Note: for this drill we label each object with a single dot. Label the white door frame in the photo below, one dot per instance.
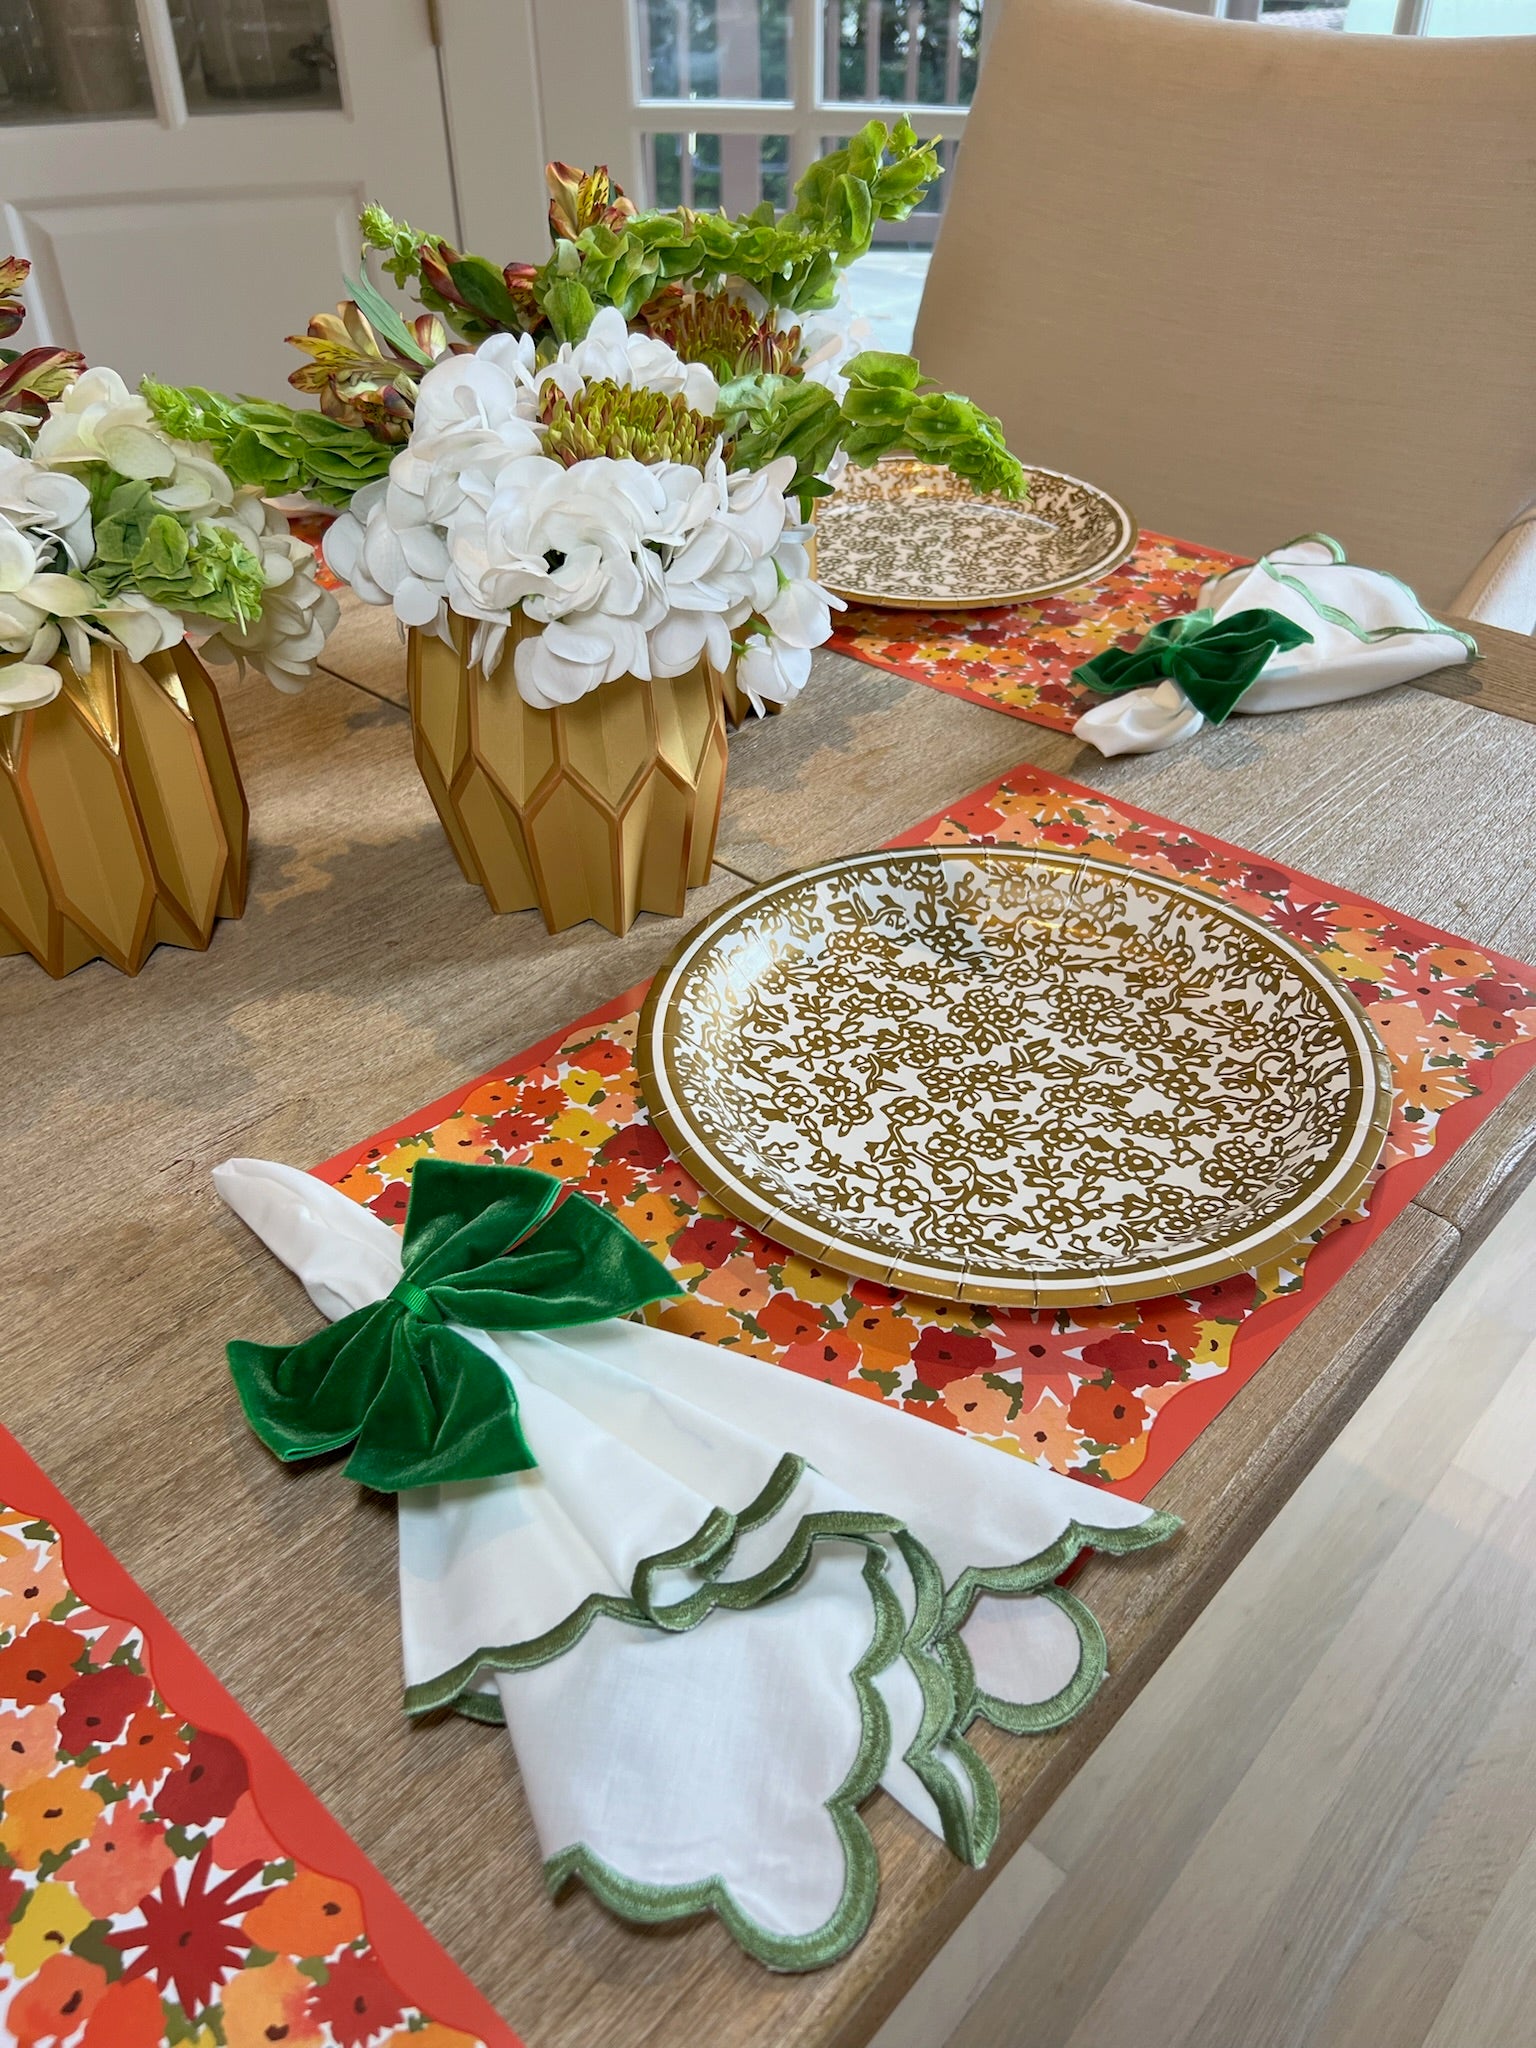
(77, 197)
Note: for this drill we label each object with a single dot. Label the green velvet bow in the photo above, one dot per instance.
(485, 1246)
(1212, 660)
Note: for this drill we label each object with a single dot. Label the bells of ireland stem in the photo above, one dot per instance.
(618, 269)
(567, 304)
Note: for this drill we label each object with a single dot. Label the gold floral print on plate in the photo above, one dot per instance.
(1013, 1076)
(906, 533)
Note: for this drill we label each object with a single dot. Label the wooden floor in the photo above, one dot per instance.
(1316, 1827)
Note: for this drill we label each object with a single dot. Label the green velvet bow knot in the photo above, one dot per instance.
(1212, 660)
(486, 1247)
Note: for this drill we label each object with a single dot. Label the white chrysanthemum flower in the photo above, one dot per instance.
(630, 568)
(609, 350)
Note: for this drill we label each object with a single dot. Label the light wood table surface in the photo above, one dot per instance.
(368, 978)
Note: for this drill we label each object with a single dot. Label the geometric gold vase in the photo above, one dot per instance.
(123, 821)
(598, 809)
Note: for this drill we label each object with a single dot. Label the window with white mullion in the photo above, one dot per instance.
(733, 99)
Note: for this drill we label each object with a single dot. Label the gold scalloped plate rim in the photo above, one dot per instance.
(1101, 566)
(1372, 1084)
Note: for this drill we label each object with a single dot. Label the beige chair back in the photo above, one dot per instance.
(1254, 281)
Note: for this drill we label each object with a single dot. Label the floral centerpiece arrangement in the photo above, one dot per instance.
(117, 540)
(592, 471)
(114, 532)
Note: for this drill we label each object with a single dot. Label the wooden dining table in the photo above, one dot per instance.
(367, 978)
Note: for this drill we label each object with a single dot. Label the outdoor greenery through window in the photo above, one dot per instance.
(924, 54)
(707, 170)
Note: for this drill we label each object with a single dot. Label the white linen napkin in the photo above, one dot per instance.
(727, 1602)
(1368, 632)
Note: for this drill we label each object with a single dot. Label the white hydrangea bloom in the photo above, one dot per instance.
(100, 420)
(48, 544)
(298, 613)
(35, 597)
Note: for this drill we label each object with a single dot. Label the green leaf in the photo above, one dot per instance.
(569, 307)
(272, 447)
(164, 548)
(484, 290)
(184, 1844)
(876, 366)
(385, 320)
(92, 1945)
(871, 404)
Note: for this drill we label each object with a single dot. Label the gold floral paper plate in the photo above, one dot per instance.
(1010, 1075)
(908, 535)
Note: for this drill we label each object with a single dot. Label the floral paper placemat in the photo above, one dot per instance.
(166, 1880)
(1112, 1395)
(1020, 658)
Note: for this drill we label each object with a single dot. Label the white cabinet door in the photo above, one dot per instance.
(185, 175)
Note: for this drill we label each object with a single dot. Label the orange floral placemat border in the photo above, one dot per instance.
(1020, 658)
(166, 1879)
(1111, 1395)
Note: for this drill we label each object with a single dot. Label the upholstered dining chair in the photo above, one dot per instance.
(1258, 283)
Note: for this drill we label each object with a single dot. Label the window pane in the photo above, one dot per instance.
(72, 60)
(255, 53)
(1481, 18)
(706, 171)
(1304, 13)
(714, 49)
(911, 52)
(921, 225)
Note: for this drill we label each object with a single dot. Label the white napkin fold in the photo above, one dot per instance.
(1368, 632)
(727, 1602)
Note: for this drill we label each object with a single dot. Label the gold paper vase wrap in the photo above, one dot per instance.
(602, 808)
(123, 822)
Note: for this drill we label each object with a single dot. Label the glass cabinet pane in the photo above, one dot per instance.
(255, 53)
(714, 49)
(914, 52)
(72, 60)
